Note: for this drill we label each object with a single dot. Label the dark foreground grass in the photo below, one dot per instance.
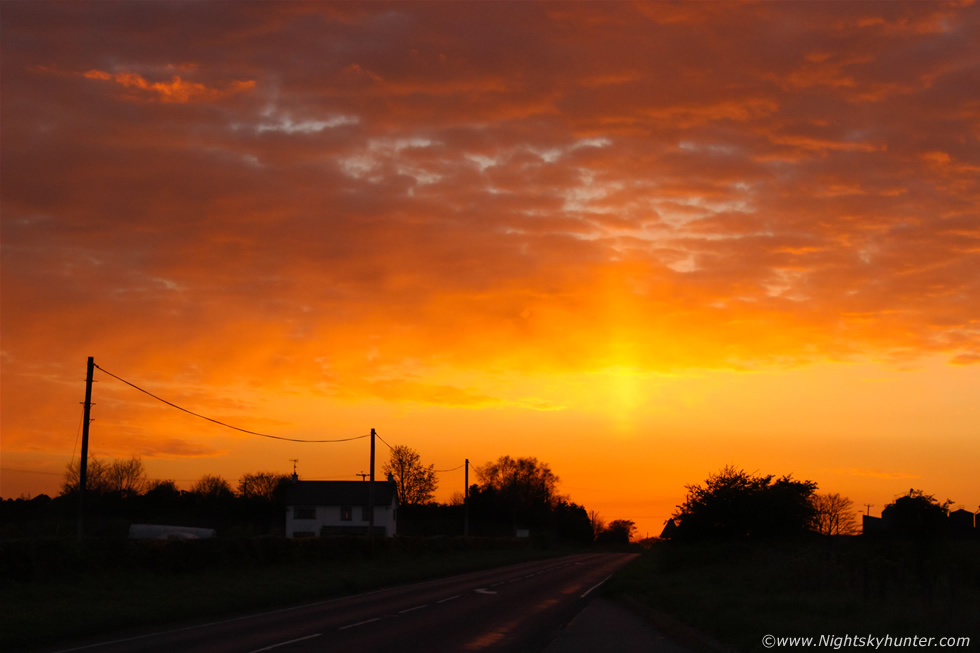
(736, 593)
(94, 602)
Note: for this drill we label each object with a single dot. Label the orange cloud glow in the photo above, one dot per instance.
(638, 241)
(177, 90)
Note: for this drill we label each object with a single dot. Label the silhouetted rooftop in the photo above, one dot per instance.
(339, 493)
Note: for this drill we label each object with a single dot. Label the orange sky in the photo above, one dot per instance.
(637, 241)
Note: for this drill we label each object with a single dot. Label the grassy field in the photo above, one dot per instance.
(737, 593)
(105, 596)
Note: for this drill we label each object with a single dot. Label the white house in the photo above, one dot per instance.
(340, 508)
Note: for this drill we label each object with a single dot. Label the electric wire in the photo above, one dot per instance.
(435, 470)
(78, 434)
(449, 470)
(190, 412)
(383, 440)
(30, 471)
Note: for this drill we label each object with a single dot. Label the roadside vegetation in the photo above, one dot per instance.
(737, 592)
(511, 495)
(750, 556)
(51, 590)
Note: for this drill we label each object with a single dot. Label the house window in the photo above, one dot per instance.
(346, 513)
(365, 513)
(304, 512)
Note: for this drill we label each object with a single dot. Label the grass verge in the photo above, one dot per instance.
(106, 599)
(736, 593)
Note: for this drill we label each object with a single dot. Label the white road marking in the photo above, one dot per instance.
(255, 615)
(359, 623)
(595, 586)
(418, 607)
(451, 598)
(292, 641)
(220, 622)
(484, 591)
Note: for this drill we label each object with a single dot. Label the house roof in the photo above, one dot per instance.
(340, 493)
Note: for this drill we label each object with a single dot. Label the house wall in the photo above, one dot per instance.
(384, 516)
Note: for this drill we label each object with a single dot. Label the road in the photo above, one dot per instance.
(516, 608)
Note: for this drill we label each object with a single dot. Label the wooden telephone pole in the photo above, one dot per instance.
(83, 463)
(371, 491)
(466, 500)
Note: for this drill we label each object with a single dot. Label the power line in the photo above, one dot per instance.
(78, 433)
(190, 412)
(449, 470)
(30, 471)
(435, 470)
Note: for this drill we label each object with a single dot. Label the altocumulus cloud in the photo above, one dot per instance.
(558, 187)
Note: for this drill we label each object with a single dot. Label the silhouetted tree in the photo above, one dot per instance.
(164, 487)
(416, 482)
(126, 477)
(515, 493)
(524, 479)
(917, 515)
(162, 502)
(598, 524)
(162, 494)
(834, 515)
(212, 487)
(95, 482)
(262, 485)
(734, 504)
(619, 531)
(571, 522)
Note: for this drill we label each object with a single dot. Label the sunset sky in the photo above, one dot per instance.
(638, 241)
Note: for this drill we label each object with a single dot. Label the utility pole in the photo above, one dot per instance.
(466, 500)
(362, 475)
(371, 491)
(869, 505)
(83, 463)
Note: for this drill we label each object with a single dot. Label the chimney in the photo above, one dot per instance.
(391, 478)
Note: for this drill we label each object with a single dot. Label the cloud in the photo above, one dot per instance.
(287, 125)
(400, 390)
(174, 448)
(874, 473)
(970, 358)
(175, 91)
(537, 189)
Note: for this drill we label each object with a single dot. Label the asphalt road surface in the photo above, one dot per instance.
(519, 608)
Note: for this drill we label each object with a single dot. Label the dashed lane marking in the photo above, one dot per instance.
(359, 623)
(292, 641)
